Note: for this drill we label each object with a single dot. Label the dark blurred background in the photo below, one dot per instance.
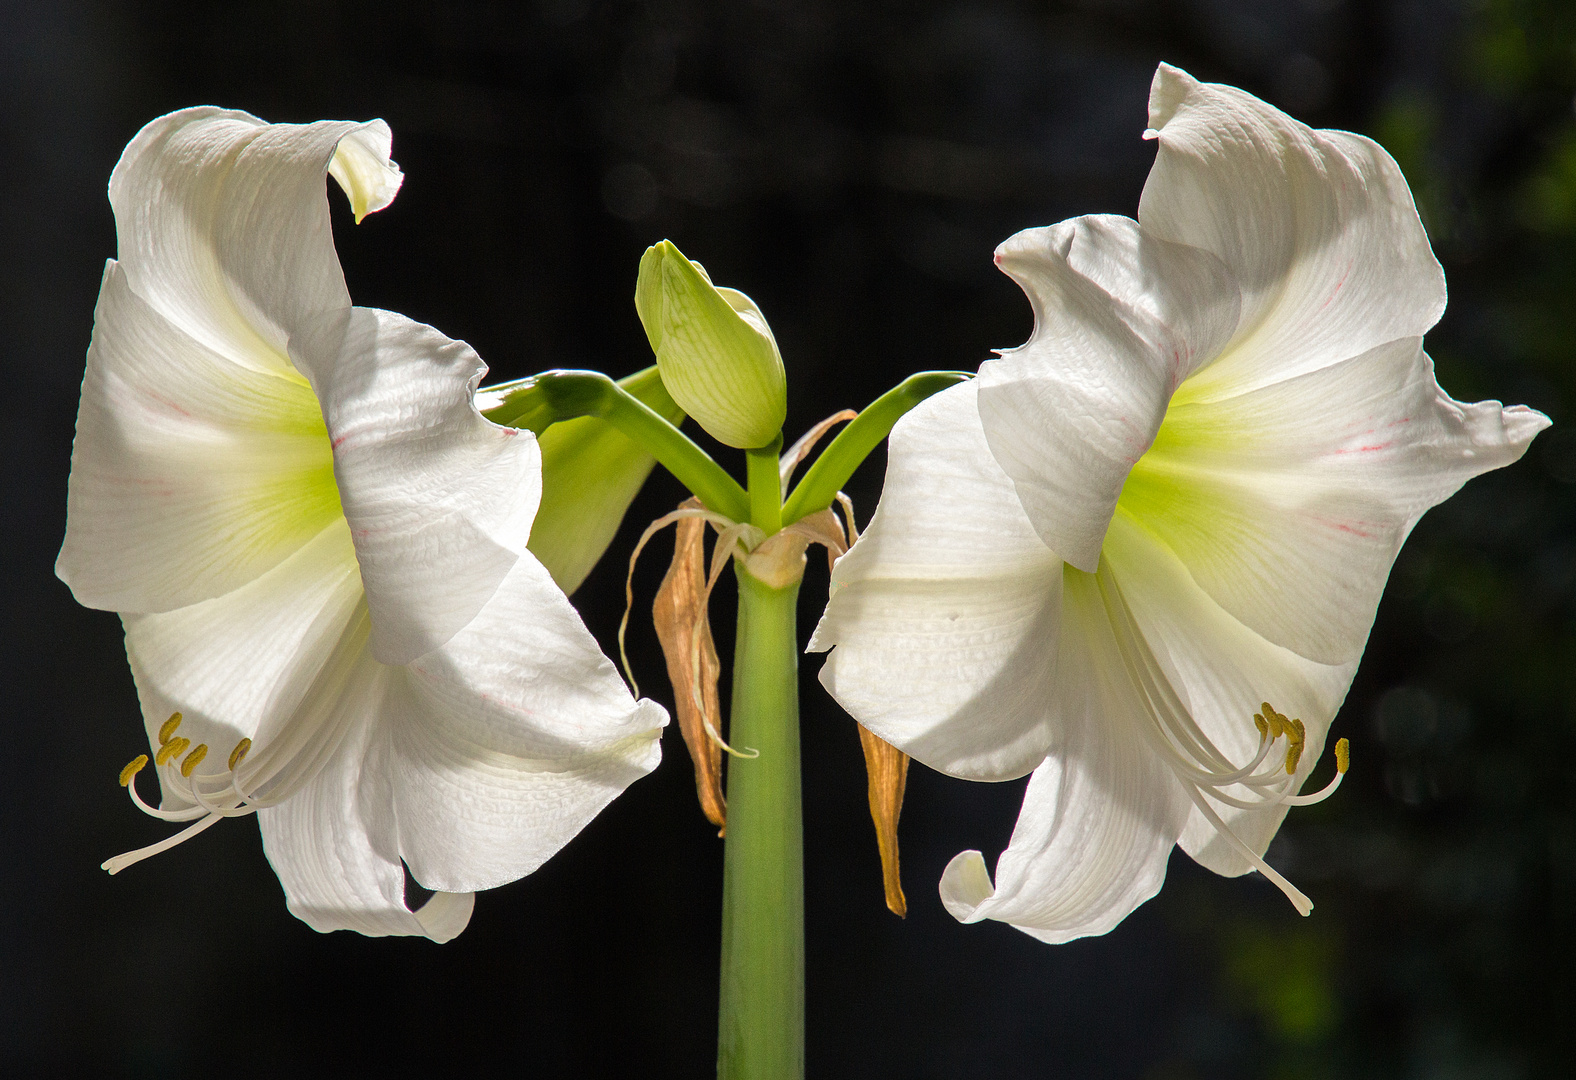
(851, 166)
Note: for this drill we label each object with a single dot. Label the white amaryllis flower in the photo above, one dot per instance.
(1181, 498)
(317, 546)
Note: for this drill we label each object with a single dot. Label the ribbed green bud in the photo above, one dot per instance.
(717, 355)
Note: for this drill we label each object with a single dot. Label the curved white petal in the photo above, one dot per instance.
(505, 743)
(944, 614)
(439, 500)
(1120, 319)
(1100, 816)
(1317, 228)
(190, 474)
(362, 168)
(239, 665)
(224, 228)
(472, 765)
(445, 914)
(333, 843)
(1222, 671)
(1288, 503)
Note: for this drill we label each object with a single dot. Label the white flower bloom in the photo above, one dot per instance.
(1179, 499)
(317, 546)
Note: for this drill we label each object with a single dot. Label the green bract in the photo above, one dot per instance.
(717, 355)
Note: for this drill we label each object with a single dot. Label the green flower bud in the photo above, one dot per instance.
(717, 355)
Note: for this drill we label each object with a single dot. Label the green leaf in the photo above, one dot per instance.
(590, 474)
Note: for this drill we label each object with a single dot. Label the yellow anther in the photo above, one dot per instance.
(239, 753)
(171, 750)
(1296, 739)
(1343, 755)
(1262, 724)
(167, 730)
(133, 767)
(1293, 755)
(199, 752)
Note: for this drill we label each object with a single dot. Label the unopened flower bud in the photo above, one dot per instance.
(717, 355)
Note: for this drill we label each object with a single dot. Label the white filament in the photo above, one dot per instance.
(1199, 765)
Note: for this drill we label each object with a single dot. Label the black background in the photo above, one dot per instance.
(851, 166)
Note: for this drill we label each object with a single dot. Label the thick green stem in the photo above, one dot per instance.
(761, 1020)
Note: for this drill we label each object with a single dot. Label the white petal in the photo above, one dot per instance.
(445, 914)
(1101, 814)
(1120, 319)
(224, 228)
(472, 765)
(361, 166)
(944, 613)
(190, 475)
(333, 843)
(1288, 504)
(503, 744)
(240, 665)
(1222, 670)
(439, 500)
(1317, 228)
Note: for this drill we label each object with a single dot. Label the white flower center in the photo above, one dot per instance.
(1204, 771)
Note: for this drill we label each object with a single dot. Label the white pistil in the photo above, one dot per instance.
(1202, 769)
(120, 862)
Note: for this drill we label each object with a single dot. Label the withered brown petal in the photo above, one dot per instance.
(887, 767)
(806, 442)
(824, 528)
(679, 612)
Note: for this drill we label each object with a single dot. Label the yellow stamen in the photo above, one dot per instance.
(171, 750)
(239, 753)
(133, 767)
(1296, 739)
(1262, 724)
(167, 730)
(1274, 722)
(199, 752)
(1343, 755)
